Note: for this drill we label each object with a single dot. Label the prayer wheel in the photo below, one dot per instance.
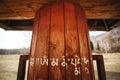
(60, 48)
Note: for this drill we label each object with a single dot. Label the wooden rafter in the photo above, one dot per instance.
(25, 9)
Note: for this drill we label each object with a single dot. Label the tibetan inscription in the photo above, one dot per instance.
(54, 62)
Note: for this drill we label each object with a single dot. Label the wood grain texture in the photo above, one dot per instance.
(33, 46)
(60, 38)
(98, 58)
(57, 42)
(25, 9)
(72, 46)
(40, 48)
(83, 45)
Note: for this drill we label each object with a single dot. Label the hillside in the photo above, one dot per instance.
(108, 42)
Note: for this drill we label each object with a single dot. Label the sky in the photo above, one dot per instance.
(14, 39)
(22, 39)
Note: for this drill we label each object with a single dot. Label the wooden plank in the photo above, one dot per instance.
(17, 15)
(42, 44)
(3, 8)
(87, 73)
(89, 15)
(92, 74)
(26, 8)
(33, 46)
(103, 14)
(21, 28)
(72, 46)
(16, 7)
(56, 72)
(101, 5)
(26, 1)
(22, 67)
(99, 59)
(41, 47)
(100, 66)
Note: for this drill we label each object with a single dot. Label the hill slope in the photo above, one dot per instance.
(109, 41)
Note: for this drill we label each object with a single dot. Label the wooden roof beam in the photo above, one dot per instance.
(25, 9)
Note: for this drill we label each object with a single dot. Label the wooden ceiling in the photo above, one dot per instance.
(25, 9)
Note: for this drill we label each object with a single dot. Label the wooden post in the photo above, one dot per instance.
(100, 66)
(22, 67)
(60, 48)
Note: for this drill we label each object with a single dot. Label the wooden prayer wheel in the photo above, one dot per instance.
(60, 48)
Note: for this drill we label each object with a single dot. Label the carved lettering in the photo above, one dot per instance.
(54, 62)
(63, 63)
(77, 71)
(32, 61)
(44, 61)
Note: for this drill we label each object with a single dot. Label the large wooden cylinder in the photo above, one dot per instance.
(60, 48)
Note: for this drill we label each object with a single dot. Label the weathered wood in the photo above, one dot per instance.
(100, 66)
(25, 9)
(60, 44)
(22, 67)
(33, 44)
(56, 42)
(72, 47)
(89, 14)
(85, 54)
(41, 47)
(98, 58)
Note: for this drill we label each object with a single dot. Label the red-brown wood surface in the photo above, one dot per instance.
(85, 49)
(72, 45)
(85, 68)
(41, 48)
(56, 72)
(60, 47)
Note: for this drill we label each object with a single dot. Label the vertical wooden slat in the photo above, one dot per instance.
(57, 72)
(22, 67)
(100, 66)
(89, 51)
(33, 46)
(41, 46)
(72, 46)
(88, 48)
(83, 45)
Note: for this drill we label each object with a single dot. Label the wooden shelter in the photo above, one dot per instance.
(19, 14)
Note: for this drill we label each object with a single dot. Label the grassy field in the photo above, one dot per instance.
(9, 66)
(112, 66)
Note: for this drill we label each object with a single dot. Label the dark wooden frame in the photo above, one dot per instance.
(98, 58)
